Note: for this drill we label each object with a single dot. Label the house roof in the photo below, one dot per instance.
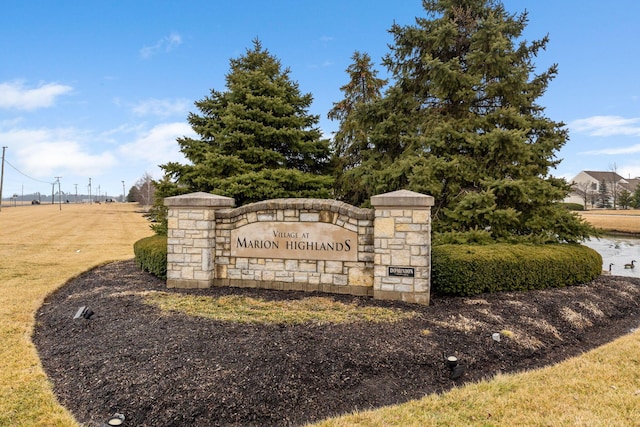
(608, 177)
(632, 183)
(604, 176)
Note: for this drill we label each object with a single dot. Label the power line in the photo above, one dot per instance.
(24, 174)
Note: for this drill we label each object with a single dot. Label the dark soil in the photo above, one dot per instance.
(174, 370)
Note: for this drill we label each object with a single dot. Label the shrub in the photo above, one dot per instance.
(573, 206)
(158, 216)
(151, 255)
(467, 270)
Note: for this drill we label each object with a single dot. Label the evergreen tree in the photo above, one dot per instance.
(635, 198)
(604, 199)
(351, 139)
(257, 139)
(624, 198)
(461, 122)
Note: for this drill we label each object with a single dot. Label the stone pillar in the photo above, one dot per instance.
(402, 245)
(191, 238)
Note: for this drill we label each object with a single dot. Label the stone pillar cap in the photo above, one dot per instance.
(200, 199)
(402, 198)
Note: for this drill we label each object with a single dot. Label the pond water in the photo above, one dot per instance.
(618, 250)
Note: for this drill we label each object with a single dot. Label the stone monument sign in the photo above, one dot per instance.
(303, 244)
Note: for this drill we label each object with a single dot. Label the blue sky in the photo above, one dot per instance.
(101, 89)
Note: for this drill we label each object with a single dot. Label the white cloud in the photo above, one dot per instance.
(613, 150)
(157, 145)
(606, 126)
(162, 107)
(166, 44)
(66, 157)
(325, 64)
(15, 95)
(7, 123)
(43, 153)
(115, 135)
(108, 157)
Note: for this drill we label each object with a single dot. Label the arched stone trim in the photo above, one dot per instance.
(301, 204)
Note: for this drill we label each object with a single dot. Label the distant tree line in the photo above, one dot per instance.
(143, 191)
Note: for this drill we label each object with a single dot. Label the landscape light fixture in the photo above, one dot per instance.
(84, 312)
(456, 370)
(115, 420)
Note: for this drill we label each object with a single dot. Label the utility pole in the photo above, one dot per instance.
(75, 200)
(2, 176)
(123, 194)
(90, 200)
(59, 192)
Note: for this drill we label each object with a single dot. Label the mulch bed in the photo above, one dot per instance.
(162, 369)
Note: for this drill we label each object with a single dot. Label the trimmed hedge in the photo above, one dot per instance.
(151, 255)
(466, 270)
(573, 206)
(463, 270)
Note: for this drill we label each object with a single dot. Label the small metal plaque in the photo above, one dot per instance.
(402, 271)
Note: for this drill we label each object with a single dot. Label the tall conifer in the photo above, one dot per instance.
(257, 139)
(351, 139)
(461, 122)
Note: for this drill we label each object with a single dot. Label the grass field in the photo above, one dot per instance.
(42, 247)
(624, 221)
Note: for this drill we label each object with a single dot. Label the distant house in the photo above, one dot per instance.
(596, 189)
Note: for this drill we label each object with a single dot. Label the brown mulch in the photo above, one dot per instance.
(175, 370)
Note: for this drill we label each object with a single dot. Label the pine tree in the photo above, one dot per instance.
(351, 139)
(624, 198)
(461, 122)
(257, 139)
(604, 198)
(635, 198)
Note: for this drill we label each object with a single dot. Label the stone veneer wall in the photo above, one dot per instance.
(191, 238)
(344, 277)
(403, 241)
(394, 235)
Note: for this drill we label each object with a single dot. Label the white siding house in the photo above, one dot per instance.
(589, 188)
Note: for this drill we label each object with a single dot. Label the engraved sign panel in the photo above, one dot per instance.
(402, 271)
(294, 240)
